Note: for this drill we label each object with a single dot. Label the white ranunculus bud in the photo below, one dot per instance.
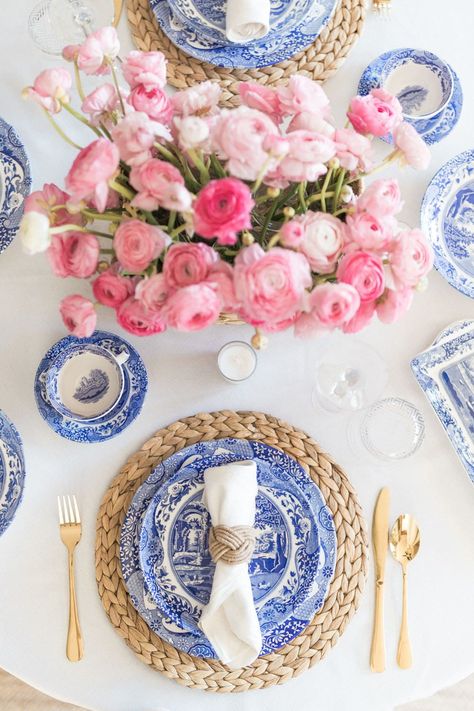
(193, 132)
(34, 232)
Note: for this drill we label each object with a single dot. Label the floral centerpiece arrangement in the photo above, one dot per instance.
(179, 211)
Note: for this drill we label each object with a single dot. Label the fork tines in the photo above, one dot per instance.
(68, 510)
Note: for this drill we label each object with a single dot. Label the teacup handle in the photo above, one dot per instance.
(122, 357)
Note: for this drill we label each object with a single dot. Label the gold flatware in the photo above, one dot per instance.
(380, 544)
(118, 5)
(404, 545)
(70, 529)
(383, 7)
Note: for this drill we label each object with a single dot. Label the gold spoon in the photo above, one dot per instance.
(404, 545)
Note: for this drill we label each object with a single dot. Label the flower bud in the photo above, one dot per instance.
(289, 212)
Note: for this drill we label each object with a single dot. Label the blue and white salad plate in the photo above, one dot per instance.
(12, 471)
(315, 534)
(15, 182)
(275, 47)
(117, 418)
(447, 218)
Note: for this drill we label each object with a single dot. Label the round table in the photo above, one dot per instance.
(183, 380)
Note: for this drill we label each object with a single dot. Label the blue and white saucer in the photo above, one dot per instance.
(15, 182)
(12, 471)
(83, 427)
(260, 53)
(447, 218)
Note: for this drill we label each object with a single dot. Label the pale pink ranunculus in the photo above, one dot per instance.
(411, 257)
(263, 98)
(303, 94)
(292, 233)
(50, 196)
(137, 244)
(188, 263)
(334, 304)
(89, 175)
(79, 315)
(413, 149)
(369, 232)
(193, 307)
(353, 150)
(307, 324)
(199, 100)
(393, 304)
(323, 240)
(159, 184)
(153, 101)
(361, 319)
(148, 68)
(100, 103)
(112, 289)
(152, 292)
(50, 88)
(381, 198)
(376, 114)
(306, 157)
(192, 132)
(135, 135)
(135, 318)
(70, 52)
(74, 254)
(221, 277)
(365, 272)
(309, 121)
(98, 50)
(222, 210)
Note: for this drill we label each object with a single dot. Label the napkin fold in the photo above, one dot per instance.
(230, 620)
(247, 20)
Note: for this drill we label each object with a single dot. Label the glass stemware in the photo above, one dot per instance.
(53, 24)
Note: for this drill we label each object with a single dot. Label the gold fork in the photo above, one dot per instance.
(383, 7)
(70, 530)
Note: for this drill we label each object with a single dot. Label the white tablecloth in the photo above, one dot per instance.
(183, 380)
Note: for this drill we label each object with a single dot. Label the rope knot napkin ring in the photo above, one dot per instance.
(232, 544)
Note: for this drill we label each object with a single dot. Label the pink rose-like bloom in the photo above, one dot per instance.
(152, 101)
(199, 100)
(159, 184)
(74, 254)
(368, 232)
(91, 171)
(307, 324)
(362, 318)
(394, 304)
(112, 289)
(414, 150)
(187, 264)
(411, 258)
(303, 94)
(292, 233)
(135, 136)
(98, 50)
(70, 52)
(148, 68)
(78, 315)
(308, 152)
(382, 198)
(257, 96)
(353, 150)
(101, 102)
(50, 88)
(152, 292)
(323, 241)
(222, 209)
(334, 304)
(308, 121)
(135, 318)
(48, 197)
(221, 277)
(377, 114)
(193, 307)
(365, 272)
(192, 132)
(137, 244)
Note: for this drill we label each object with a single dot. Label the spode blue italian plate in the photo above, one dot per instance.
(15, 182)
(12, 471)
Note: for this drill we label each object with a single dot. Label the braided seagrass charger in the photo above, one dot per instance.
(318, 61)
(344, 592)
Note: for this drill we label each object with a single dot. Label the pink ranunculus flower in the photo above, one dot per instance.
(135, 136)
(48, 197)
(199, 100)
(188, 263)
(51, 88)
(411, 258)
(411, 146)
(309, 121)
(137, 244)
(393, 304)
(152, 292)
(365, 272)
(112, 289)
(74, 254)
(303, 94)
(263, 98)
(323, 241)
(153, 101)
(222, 209)
(159, 184)
(307, 325)
(70, 52)
(79, 315)
(100, 103)
(193, 307)
(98, 50)
(192, 132)
(221, 277)
(334, 304)
(361, 319)
(353, 150)
(381, 198)
(292, 233)
(148, 68)
(135, 318)
(308, 152)
(91, 171)
(369, 232)
(376, 114)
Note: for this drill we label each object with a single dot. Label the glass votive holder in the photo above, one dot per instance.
(236, 361)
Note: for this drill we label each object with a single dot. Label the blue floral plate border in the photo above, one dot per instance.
(15, 174)
(12, 471)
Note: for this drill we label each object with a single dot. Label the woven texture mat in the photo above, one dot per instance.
(344, 592)
(318, 61)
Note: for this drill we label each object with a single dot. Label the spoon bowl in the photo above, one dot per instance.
(404, 546)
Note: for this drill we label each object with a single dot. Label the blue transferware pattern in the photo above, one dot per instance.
(12, 471)
(92, 387)
(122, 414)
(454, 329)
(15, 182)
(260, 53)
(195, 643)
(447, 214)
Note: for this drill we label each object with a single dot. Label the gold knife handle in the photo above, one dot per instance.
(377, 650)
(404, 656)
(117, 12)
(74, 645)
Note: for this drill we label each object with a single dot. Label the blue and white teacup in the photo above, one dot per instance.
(85, 381)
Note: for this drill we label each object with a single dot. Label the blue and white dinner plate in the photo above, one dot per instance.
(12, 471)
(260, 53)
(447, 218)
(194, 642)
(15, 182)
(122, 414)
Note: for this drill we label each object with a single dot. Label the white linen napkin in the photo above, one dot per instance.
(229, 620)
(247, 20)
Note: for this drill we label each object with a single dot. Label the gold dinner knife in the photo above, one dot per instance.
(118, 4)
(380, 543)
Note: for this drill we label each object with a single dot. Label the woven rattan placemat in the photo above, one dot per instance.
(318, 61)
(344, 592)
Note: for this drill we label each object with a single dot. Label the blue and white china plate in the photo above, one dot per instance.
(122, 414)
(445, 372)
(454, 329)
(447, 218)
(15, 182)
(12, 471)
(195, 643)
(260, 53)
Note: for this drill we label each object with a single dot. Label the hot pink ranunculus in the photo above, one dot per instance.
(137, 244)
(98, 50)
(365, 272)
(100, 103)
(148, 68)
(48, 197)
(50, 88)
(393, 304)
(303, 94)
(412, 147)
(188, 263)
(353, 150)
(199, 100)
(153, 101)
(323, 240)
(91, 171)
(308, 152)
(361, 319)
(381, 198)
(263, 98)
(222, 209)
(292, 233)
(411, 258)
(112, 289)
(309, 121)
(79, 315)
(334, 304)
(369, 232)
(74, 254)
(159, 184)
(152, 292)
(193, 307)
(135, 136)
(376, 114)
(135, 318)
(221, 277)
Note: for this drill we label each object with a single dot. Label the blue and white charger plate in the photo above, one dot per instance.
(12, 471)
(15, 182)
(260, 53)
(126, 409)
(195, 642)
(447, 218)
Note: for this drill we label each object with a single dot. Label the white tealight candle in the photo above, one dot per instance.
(236, 361)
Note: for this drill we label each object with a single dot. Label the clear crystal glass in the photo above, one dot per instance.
(53, 24)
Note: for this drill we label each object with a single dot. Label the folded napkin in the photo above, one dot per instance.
(229, 620)
(247, 20)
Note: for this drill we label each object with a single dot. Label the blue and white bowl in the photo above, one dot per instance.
(15, 182)
(12, 471)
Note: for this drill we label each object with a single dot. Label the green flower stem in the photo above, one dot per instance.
(388, 159)
(171, 220)
(105, 131)
(59, 130)
(199, 163)
(263, 198)
(99, 234)
(177, 231)
(80, 118)
(114, 77)
(268, 218)
(217, 165)
(121, 189)
(166, 153)
(107, 251)
(324, 188)
(106, 216)
(318, 196)
(67, 228)
(77, 74)
(302, 196)
(337, 191)
(151, 220)
(274, 240)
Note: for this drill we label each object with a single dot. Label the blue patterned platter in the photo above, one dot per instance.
(194, 642)
(124, 411)
(12, 471)
(447, 218)
(454, 329)
(260, 53)
(445, 372)
(15, 182)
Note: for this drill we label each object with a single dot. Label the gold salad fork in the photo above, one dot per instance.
(70, 529)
